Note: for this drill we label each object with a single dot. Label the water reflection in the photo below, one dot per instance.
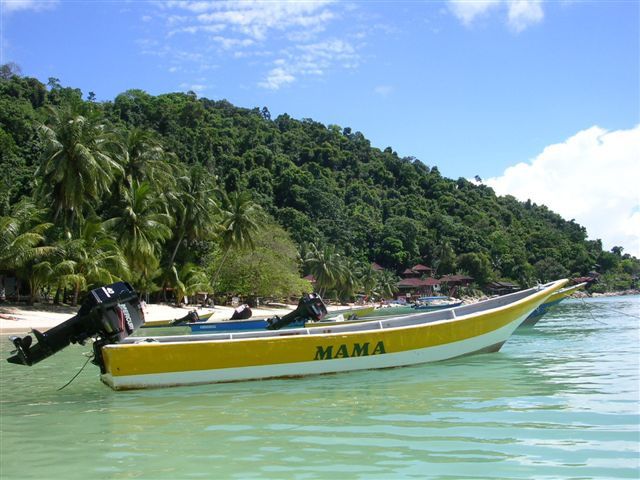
(560, 401)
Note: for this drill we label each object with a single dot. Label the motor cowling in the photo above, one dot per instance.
(310, 308)
(108, 314)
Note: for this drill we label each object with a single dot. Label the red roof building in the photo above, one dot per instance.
(417, 286)
(417, 271)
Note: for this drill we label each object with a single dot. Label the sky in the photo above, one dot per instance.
(539, 98)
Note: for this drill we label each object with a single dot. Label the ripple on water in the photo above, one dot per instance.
(560, 400)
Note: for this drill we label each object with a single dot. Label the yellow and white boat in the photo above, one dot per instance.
(393, 342)
(551, 302)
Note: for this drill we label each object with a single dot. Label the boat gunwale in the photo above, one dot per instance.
(354, 328)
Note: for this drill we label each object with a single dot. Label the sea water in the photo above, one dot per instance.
(559, 401)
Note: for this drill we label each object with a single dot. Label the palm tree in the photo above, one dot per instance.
(77, 167)
(325, 264)
(188, 281)
(144, 159)
(194, 209)
(240, 217)
(368, 278)
(90, 260)
(387, 284)
(22, 244)
(141, 228)
(349, 280)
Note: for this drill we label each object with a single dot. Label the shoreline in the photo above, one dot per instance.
(21, 319)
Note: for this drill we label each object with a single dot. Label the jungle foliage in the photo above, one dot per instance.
(177, 191)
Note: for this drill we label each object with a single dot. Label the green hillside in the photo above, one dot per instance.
(175, 191)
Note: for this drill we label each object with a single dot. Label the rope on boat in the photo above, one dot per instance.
(600, 307)
(590, 312)
(76, 375)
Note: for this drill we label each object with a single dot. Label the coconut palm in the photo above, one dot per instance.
(90, 260)
(23, 244)
(387, 284)
(144, 159)
(77, 166)
(349, 280)
(189, 280)
(240, 217)
(325, 264)
(368, 278)
(141, 228)
(194, 209)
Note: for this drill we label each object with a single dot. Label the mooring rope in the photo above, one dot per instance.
(600, 307)
(76, 375)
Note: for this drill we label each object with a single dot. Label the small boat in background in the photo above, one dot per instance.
(262, 323)
(551, 302)
(192, 317)
(436, 303)
(357, 312)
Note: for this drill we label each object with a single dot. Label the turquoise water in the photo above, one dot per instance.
(559, 401)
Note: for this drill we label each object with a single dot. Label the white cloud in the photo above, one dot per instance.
(9, 6)
(467, 11)
(233, 43)
(383, 90)
(591, 177)
(286, 36)
(256, 19)
(193, 87)
(523, 13)
(310, 59)
(276, 78)
(520, 13)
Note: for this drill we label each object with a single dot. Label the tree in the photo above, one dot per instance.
(141, 228)
(387, 284)
(10, 70)
(240, 220)
(270, 269)
(23, 244)
(194, 209)
(477, 265)
(189, 280)
(349, 280)
(144, 159)
(325, 264)
(91, 260)
(77, 167)
(445, 258)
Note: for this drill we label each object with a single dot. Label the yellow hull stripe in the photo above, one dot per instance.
(153, 358)
(565, 292)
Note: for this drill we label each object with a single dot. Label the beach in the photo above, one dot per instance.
(18, 319)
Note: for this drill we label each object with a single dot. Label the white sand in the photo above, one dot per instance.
(22, 319)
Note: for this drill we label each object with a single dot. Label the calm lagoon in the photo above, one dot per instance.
(560, 401)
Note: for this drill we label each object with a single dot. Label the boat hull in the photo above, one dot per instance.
(548, 304)
(171, 323)
(260, 355)
(229, 326)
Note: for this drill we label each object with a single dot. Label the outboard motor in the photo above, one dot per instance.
(243, 312)
(109, 314)
(310, 308)
(191, 317)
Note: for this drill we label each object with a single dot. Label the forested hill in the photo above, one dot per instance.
(324, 184)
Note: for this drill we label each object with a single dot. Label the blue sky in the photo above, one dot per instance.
(474, 87)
